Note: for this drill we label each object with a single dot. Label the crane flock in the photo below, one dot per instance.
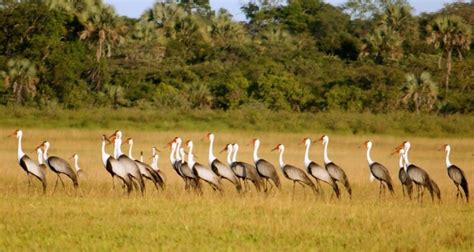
(262, 174)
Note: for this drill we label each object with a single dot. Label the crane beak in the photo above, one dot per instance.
(400, 146)
(225, 148)
(396, 151)
(12, 134)
(276, 148)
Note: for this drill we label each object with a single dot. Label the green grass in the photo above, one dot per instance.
(399, 124)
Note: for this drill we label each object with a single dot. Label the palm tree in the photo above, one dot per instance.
(101, 25)
(21, 77)
(450, 34)
(422, 92)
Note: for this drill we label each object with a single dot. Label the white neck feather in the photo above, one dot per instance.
(20, 151)
(236, 149)
(255, 151)
(172, 154)
(229, 154)
(307, 161)
(130, 151)
(369, 159)
(191, 161)
(105, 156)
(177, 154)
(118, 148)
(211, 152)
(280, 160)
(448, 162)
(325, 153)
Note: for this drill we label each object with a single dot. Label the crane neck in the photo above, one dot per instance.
(130, 151)
(405, 159)
(280, 159)
(234, 157)
(172, 154)
(105, 156)
(141, 157)
(211, 152)
(154, 163)
(45, 153)
(369, 159)
(448, 162)
(255, 151)
(191, 161)
(181, 153)
(400, 162)
(20, 150)
(177, 152)
(307, 161)
(40, 157)
(76, 164)
(229, 159)
(325, 153)
(118, 148)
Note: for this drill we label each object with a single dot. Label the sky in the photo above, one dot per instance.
(134, 8)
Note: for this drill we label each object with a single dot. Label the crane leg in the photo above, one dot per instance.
(403, 190)
(113, 183)
(29, 181)
(56, 184)
(320, 188)
(294, 188)
(62, 182)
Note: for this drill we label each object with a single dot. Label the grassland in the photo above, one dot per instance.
(99, 218)
(246, 119)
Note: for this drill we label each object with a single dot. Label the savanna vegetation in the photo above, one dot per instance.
(297, 56)
(101, 218)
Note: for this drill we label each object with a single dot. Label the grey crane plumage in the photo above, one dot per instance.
(187, 172)
(456, 174)
(202, 172)
(318, 172)
(126, 162)
(418, 175)
(336, 172)
(265, 169)
(114, 168)
(219, 168)
(155, 171)
(27, 164)
(145, 170)
(378, 171)
(79, 171)
(244, 171)
(295, 174)
(59, 166)
(407, 184)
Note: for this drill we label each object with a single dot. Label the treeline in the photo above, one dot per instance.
(300, 55)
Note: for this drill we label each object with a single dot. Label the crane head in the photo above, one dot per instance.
(306, 141)
(17, 133)
(367, 143)
(128, 141)
(278, 147)
(446, 148)
(227, 148)
(323, 138)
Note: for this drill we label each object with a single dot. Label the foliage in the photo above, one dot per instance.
(300, 56)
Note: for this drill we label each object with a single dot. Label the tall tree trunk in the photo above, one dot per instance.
(448, 73)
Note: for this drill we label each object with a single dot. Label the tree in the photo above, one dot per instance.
(420, 93)
(21, 78)
(449, 34)
(102, 27)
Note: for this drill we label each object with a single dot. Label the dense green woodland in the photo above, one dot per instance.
(371, 56)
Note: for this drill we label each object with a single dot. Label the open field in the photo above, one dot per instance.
(100, 218)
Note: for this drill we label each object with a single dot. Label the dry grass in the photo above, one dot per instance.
(100, 218)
